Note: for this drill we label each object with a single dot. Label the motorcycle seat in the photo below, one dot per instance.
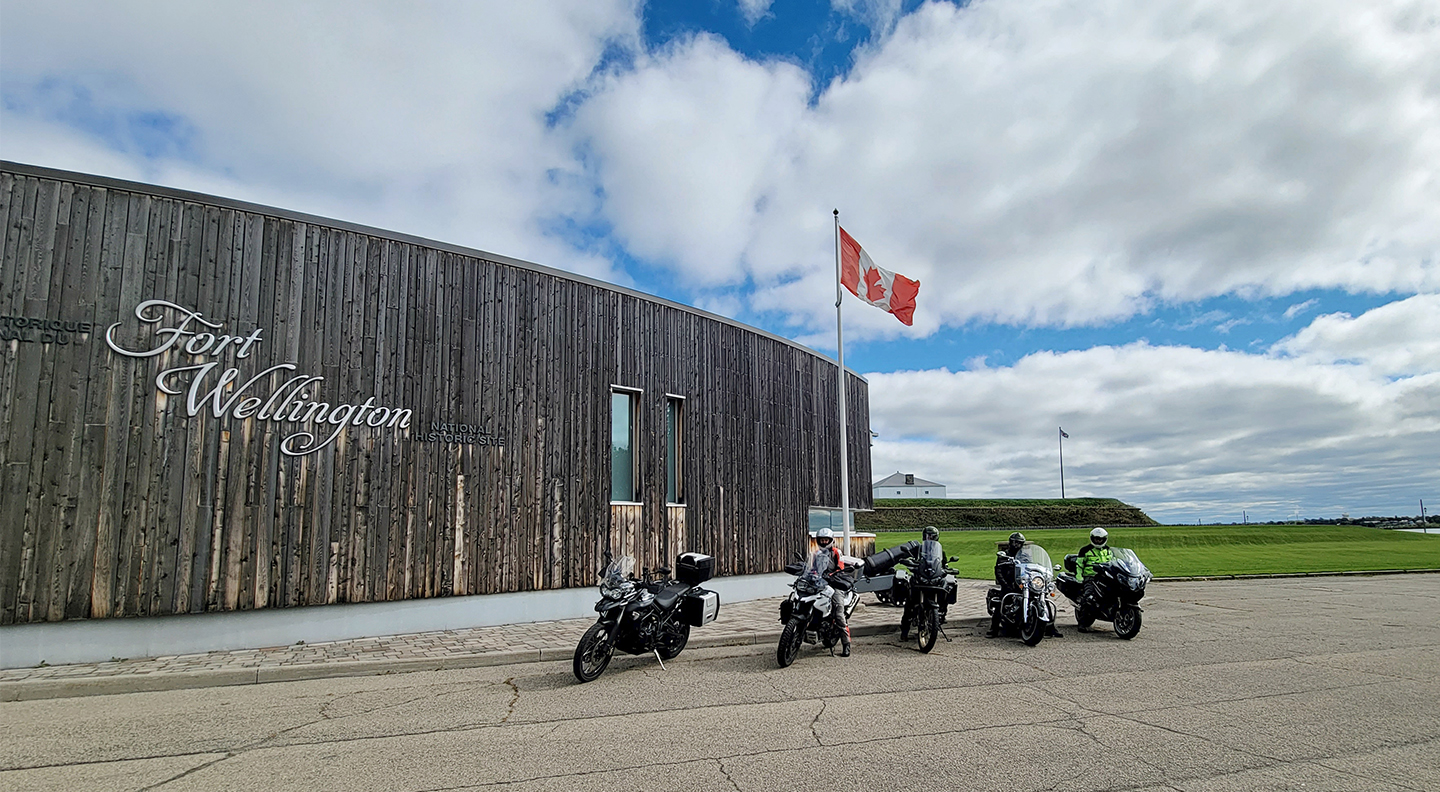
(667, 595)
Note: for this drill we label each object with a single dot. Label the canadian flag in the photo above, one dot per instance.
(881, 288)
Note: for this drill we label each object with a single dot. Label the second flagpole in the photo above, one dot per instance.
(840, 386)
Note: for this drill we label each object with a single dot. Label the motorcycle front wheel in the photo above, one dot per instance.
(789, 646)
(928, 629)
(593, 653)
(905, 624)
(673, 641)
(1127, 622)
(1033, 629)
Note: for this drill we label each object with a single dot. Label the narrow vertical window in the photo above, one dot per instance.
(622, 446)
(674, 450)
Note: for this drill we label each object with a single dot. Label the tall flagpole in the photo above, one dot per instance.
(840, 386)
(1061, 438)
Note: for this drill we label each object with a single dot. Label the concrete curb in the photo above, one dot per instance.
(34, 690)
(1281, 575)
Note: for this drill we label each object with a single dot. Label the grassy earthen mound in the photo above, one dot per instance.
(906, 514)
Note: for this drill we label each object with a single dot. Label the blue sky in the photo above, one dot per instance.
(1203, 235)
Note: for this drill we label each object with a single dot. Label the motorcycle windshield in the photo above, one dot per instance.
(617, 573)
(1129, 563)
(1033, 554)
(932, 562)
(812, 578)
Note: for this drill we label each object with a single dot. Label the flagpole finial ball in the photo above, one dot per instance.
(837, 212)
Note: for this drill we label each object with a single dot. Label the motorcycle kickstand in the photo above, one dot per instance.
(658, 660)
(947, 636)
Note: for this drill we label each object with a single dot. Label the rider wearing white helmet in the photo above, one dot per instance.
(1089, 557)
(825, 541)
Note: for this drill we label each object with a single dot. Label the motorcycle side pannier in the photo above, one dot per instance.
(876, 583)
(700, 607)
(692, 569)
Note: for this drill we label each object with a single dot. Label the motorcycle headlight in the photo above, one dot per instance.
(1037, 583)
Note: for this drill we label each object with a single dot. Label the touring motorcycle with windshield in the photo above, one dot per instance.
(930, 589)
(651, 613)
(807, 612)
(1119, 586)
(1027, 604)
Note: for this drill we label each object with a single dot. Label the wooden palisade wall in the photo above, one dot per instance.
(115, 501)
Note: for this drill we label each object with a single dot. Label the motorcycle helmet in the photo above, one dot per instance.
(1098, 536)
(931, 533)
(824, 537)
(1017, 541)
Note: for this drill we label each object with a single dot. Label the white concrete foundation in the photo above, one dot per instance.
(94, 641)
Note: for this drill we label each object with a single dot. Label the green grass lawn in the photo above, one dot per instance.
(1179, 550)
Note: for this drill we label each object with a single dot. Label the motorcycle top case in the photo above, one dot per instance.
(700, 607)
(694, 568)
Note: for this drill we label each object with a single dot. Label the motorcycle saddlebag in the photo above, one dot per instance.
(692, 569)
(700, 607)
(1069, 587)
(877, 583)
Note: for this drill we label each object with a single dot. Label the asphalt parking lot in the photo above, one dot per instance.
(1312, 683)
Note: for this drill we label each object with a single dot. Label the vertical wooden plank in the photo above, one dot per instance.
(24, 364)
(38, 541)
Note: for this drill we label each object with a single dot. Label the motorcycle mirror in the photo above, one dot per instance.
(953, 559)
(1057, 567)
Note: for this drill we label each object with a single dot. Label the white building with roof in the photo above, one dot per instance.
(906, 485)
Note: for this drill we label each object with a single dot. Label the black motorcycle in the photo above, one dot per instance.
(807, 612)
(929, 592)
(651, 613)
(1119, 585)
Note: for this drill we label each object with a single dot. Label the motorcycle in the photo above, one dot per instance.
(929, 590)
(651, 613)
(807, 612)
(1120, 585)
(1028, 605)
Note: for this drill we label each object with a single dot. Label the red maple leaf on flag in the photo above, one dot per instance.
(874, 287)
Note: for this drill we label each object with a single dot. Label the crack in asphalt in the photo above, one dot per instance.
(515, 689)
(823, 704)
(728, 777)
(194, 769)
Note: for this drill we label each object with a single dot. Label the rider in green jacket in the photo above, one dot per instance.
(1091, 556)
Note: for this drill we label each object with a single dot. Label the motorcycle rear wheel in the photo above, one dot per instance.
(789, 646)
(593, 653)
(1033, 629)
(1127, 622)
(928, 629)
(672, 643)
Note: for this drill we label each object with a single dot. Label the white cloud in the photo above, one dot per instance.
(1300, 307)
(1059, 162)
(1188, 433)
(754, 10)
(427, 118)
(1401, 338)
(682, 145)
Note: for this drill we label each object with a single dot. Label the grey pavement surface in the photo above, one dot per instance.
(1310, 683)
(750, 622)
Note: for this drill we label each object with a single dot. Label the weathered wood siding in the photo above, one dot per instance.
(115, 501)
